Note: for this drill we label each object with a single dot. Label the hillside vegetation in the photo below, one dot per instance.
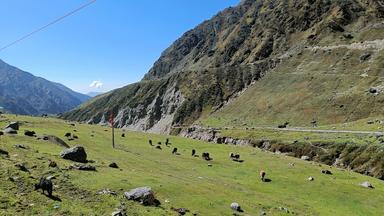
(179, 181)
(261, 62)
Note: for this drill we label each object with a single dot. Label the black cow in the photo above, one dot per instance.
(193, 152)
(45, 185)
(174, 151)
(150, 142)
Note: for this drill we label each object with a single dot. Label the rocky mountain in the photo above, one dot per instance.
(94, 94)
(23, 93)
(259, 62)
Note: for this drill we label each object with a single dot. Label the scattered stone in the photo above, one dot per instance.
(284, 209)
(366, 185)
(374, 90)
(311, 178)
(83, 167)
(327, 172)
(52, 164)
(3, 152)
(180, 211)
(378, 135)
(13, 125)
(22, 167)
(107, 192)
(29, 133)
(348, 35)
(21, 146)
(75, 136)
(55, 140)
(144, 195)
(365, 57)
(118, 213)
(307, 158)
(113, 165)
(236, 207)
(10, 131)
(76, 154)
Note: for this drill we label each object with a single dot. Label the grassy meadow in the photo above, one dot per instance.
(179, 181)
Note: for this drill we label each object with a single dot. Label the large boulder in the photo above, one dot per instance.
(144, 195)
(13, 125)
(76, 154)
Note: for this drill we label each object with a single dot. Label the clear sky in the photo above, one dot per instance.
(111, 41)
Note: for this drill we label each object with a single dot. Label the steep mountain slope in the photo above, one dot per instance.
(23, 93)
(209, 66)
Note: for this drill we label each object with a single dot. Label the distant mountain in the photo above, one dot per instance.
(94, 94)
(260, 63)
(23, 93)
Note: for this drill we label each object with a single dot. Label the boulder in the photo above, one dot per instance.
(366, 185)
(144, 195)
(307, 158)
(13, 125)
(113, 165)
(10, 131)
(76, 154)
(29, 133)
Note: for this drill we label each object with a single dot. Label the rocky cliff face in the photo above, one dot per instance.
(214, 62)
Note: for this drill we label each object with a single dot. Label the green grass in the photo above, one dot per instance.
(184, 181)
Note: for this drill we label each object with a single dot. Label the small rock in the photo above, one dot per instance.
(113, 165)
(83, 167)
(307, 158)
(236, 207)
(29, 133)
(311, 178)
(365, 57)
(366, 184)
(3, 152)
(22, 167)
(180, 211)
(327, 172)
(107, 192)
(118, 213)
(52, 164)
(21, 146)
(144, 195)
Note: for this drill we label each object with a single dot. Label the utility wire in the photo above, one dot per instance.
(47, 25)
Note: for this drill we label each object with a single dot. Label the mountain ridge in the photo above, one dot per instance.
(23, 93)
(211, 64)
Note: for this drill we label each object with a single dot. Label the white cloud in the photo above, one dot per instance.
(96, 84)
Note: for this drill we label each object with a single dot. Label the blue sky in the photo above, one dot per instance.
(112, 41)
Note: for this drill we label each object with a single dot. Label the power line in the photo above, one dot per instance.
(47, 25)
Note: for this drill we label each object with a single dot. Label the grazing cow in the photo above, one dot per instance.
(193, 152)
(235, 157)
(67, 135)
(158, 143)
(45, 185)
(150, 142)
(262, 175)
(283, 125)
(174, 151)
(123, 135)
(158, 147)
(167, 142)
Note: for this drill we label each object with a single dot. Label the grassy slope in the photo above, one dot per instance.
(175, 178)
